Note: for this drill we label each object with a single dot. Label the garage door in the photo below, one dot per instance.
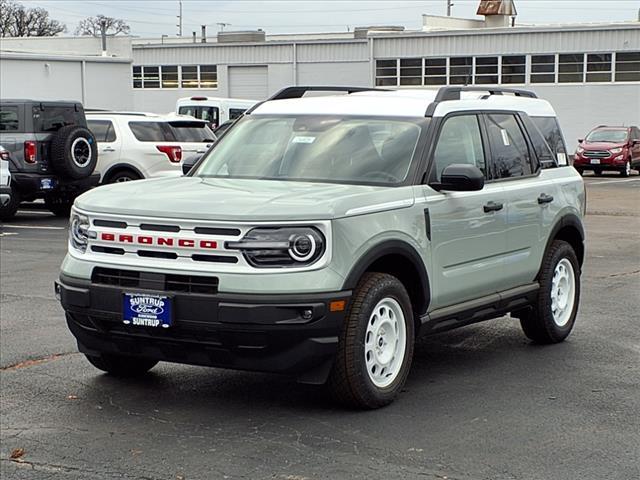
(248, 82)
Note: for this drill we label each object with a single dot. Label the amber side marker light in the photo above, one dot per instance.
(337, 306)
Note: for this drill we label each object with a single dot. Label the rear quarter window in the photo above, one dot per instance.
(151, 132)
(9, 120)
(102, 130)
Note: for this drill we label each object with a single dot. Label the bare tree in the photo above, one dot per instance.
(18, 21)
(91, 26)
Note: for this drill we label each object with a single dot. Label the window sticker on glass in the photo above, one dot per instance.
(303, 139)
(562, 159)
(505, 138)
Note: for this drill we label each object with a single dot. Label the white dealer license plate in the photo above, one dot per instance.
(595, 161)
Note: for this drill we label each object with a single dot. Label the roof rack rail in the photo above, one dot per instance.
(454, 93)
(298, 91)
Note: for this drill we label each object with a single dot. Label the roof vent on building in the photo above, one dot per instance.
(362, 32)
(252, 36)
(497, 12)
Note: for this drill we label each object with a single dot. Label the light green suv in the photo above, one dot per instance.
(323, 234)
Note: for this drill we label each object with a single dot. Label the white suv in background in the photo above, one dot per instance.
(133, 146)
(5, 178)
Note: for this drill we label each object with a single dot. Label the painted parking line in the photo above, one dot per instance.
(37, 212)
(604, 182)
(34, 227)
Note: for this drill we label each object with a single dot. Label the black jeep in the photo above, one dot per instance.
(53, 153)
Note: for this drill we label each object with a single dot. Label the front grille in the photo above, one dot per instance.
(596, 153)
(155, 281)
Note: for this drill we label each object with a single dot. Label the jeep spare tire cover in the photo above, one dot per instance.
(74, 152)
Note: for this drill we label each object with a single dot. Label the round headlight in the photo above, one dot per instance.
(303, 247)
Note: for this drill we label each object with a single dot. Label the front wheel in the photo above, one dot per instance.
(554, 313)
(376, 346)
(121, 365)
(627, 169)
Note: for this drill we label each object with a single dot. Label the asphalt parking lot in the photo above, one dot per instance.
(480, 403)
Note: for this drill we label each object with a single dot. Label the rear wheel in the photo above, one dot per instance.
(10, 209)
(121, 365)
(376, 346)
(123, 176)
(553, 315)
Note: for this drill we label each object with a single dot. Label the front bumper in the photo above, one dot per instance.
(267, 333)
(40, 184)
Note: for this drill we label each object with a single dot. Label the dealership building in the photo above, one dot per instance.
(590, 72)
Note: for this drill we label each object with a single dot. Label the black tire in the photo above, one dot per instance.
(10, 209)
(74, 152)
(122, 366)
(59, 205)
(580, 171)
(538, 323)
(123, 176)
(627, 169)
(349, 380)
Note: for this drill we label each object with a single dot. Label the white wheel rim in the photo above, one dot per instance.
(385, 342)
(563, 292)
(81, 152)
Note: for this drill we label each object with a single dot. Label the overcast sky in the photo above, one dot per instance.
(158, 17)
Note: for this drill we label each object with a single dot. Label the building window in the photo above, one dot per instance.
(169, 76)
(137, 77)
(208, 76)
(486, 71)
(461, 70)
(189, 76)
(514, 68)
(543, 69)
(571, 68)
(411, 71)
(150, 77)
(599, 67)
(435, 71)
(386, 73)
(627, 66)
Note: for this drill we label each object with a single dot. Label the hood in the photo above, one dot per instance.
(601, 145)
(239, 200)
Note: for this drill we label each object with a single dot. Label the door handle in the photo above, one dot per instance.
(544, 198)
(108, 149)
(493, 207)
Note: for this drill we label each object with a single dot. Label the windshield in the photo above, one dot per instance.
(315, 148)
(609, 136)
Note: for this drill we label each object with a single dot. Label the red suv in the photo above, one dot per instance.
(609, 148)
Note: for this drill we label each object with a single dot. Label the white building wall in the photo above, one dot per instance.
(40, 79)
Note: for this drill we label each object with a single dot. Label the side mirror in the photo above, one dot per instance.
(189, 162)
(460, 177)
(580, 140)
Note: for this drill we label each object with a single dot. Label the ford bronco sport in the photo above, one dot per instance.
(321, 235)
(52, 153)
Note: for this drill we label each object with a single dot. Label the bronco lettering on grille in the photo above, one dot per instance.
(159, 241)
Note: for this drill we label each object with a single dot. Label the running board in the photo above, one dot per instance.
(478, 310)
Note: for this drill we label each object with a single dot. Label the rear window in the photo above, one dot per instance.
(191, 132)
(52, 118)
(150, 132)
(236, 112)
(208, 114)
(9, 119)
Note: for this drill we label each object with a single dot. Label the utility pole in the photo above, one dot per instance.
(103, 35)
(449, 5)
(179, 25)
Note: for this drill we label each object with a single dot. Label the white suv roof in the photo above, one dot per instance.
(404, 103)
(169, 117)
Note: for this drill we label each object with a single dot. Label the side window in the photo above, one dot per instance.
(9, 119)
(103, 130)
(550, 130)
(460, 141)
(235, 113)
(635, 133)
(510, 156)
